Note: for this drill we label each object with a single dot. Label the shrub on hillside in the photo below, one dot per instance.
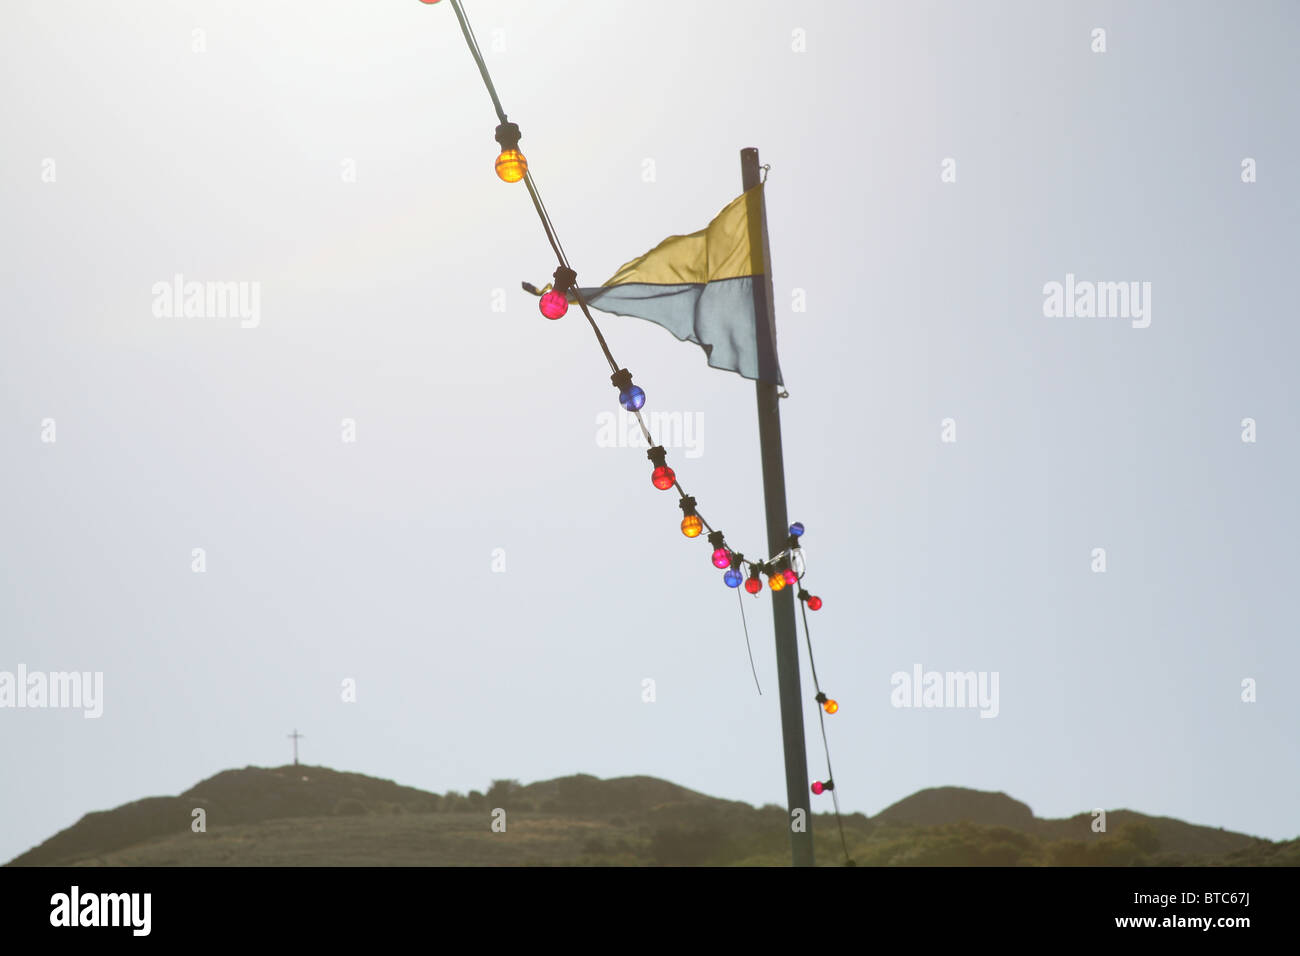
(1115, 852)
(454, 802)
(501, 791)
(1141, 835)
(350, 807)
(1068, 853)
(686, 846)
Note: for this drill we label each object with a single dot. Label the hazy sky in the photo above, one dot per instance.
(130, 157)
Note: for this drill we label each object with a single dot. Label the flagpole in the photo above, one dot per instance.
(778, 536)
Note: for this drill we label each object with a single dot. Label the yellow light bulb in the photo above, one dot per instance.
(831, 706)
(692, 526)
(511, 165)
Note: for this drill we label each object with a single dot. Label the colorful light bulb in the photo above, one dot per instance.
(776, 582)
(553, 304)
(790, 576)
(796, 529)
(732, 578)
(831, 705)
(692, 526)
(629, 395)
(753, 585)
(632, 399)
(511, 165)
(721, 558)
(662, 477)
(818, 786)
(814, 603)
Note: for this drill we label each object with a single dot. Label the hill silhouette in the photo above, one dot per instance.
(941, 805)
(300, 815)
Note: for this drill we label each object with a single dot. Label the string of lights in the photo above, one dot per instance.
(830, 706)
(785, 569)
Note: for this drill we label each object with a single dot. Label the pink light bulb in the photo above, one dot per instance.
(553, 304)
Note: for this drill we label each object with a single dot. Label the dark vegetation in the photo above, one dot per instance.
(290, 816)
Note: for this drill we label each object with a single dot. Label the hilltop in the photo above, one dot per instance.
(315, 816)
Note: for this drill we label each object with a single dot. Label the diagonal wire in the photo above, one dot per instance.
(741, 600)
(478, 59)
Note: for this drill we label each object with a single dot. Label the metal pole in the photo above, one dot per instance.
(778, 535)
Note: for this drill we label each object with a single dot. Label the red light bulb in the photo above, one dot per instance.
(553, 304)
(814, 603)
(662, 477)
(753, 585)
(817, 786)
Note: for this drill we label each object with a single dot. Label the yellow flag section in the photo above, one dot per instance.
(701, 288)
(730, 247)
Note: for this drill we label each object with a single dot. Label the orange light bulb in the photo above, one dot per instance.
(511, 165)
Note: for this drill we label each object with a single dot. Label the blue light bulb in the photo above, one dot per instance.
(733, 578)
(796, 529)
(632, 399)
